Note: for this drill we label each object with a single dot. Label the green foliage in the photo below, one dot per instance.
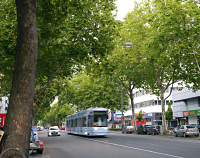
(69, 34)
(92, 91)
(169, 113)
(140, 116)
(56, 112)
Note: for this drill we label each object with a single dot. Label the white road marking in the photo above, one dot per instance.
(134, 148)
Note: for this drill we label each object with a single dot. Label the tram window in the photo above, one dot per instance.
(75, 123)
(89, 120)
(100, 119)
(84, 122)
(69, 123)
(72, 125)
(80, 122)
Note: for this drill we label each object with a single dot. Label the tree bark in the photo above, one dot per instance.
(163, 112)
(19, 116)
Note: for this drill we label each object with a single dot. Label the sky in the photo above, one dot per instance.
(124, 6)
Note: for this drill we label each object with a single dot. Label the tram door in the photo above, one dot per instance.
(90, 123)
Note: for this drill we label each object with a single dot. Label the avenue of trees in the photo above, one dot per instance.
(76, 50)
(67, 35)
(165, 41)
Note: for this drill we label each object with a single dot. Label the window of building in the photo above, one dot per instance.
(159, 102)
(141, 104)
(156, 102)
(152, 102)
(167, 90)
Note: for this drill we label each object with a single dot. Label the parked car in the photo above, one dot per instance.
(154, 130)
(35, 144)
(128, 129)
(53, 130)
(62, 127)
(186, 130)
(143, 129)
(198, 126)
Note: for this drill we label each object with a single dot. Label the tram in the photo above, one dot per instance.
(89, 122)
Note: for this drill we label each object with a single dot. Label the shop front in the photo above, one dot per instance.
(192, 116)
(148, 118)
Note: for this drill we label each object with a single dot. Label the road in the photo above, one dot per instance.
(117, 145)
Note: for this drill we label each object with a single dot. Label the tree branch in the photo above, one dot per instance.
(40, 105)
(196, 59)
(5, 86)
(51, 79)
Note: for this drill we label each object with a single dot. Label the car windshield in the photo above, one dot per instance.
(100, 118)
(190, 126)
(147, 126)
(53, 128)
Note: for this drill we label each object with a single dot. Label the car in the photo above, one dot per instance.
(35, 144)
(128, 129)
(198, 126)
(143, 129)
(186, 130)
(53, 130)
(39, 128)
(62, 127)
(154, 130)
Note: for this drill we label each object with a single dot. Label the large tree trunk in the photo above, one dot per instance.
(163, 113)
(19, 116)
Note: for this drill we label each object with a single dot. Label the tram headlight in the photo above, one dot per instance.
(95, 128)
(106, 128)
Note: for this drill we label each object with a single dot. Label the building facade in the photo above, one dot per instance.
(150, 104)
(186, 107)
(3, 104)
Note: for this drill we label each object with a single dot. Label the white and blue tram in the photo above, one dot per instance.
(89, 122)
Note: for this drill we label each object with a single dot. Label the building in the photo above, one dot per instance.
(150, 104)
(186, 107)
(3, 104)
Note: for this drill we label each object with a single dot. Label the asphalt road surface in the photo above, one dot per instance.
(117, 145)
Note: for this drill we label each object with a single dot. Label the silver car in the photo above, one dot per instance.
(128, 129)
(186, 130)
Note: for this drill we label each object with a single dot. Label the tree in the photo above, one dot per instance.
(87, 91)
(69, 32)
(140, 116)
(56, 113)
(169, 113)
(163, 44)
(125, 65)
(19, 116)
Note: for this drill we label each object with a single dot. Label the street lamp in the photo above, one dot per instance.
(127, 44)
(122, 118)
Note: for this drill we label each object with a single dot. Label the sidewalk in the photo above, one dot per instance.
(44, 155)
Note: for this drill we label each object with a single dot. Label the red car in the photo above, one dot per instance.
(62, 128)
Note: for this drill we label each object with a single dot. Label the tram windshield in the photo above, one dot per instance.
(100, 118)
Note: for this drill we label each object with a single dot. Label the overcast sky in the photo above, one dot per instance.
(124, 6)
